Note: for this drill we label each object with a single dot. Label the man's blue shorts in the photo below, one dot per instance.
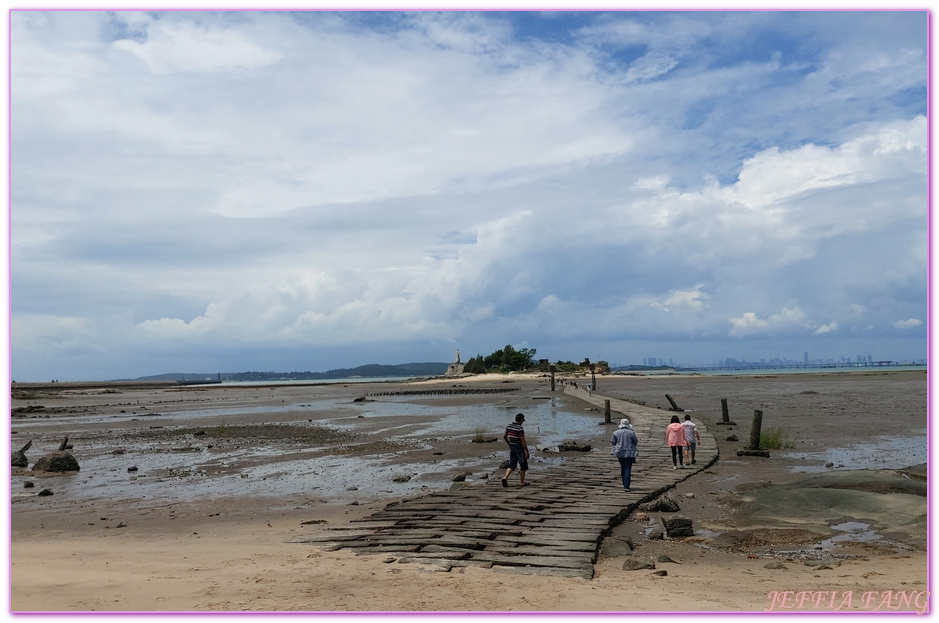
(517, 458)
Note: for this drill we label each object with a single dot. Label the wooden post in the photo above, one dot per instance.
(724, 412)
(675, 407)
(553, 368)
(606, 412)
(593, 376)
(755, 430)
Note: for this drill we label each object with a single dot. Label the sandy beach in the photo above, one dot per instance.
(188, 497)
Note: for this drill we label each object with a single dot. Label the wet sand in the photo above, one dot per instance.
(226, 476)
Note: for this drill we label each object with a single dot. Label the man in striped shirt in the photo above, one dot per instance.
(518, 450)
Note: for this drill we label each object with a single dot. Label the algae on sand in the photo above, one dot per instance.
(887, 500)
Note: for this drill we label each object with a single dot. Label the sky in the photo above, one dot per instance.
(289, 191)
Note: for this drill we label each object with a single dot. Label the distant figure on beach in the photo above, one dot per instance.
(675, 438)
(692, 437)
(625, 448)
(518, 450)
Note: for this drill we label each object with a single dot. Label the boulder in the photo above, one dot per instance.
(775, 565)
(19, 457)
(573, 446)
(664, 504)
(677, 526)
(617, 546)
(634, 564)
(61, 461)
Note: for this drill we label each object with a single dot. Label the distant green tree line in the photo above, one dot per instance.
(503, 360)
(509, 359)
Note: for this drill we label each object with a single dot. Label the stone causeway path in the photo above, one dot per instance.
(552, 527)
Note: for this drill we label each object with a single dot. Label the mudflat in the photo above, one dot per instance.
(187, 497)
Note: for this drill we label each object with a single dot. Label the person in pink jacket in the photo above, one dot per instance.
(675, 438)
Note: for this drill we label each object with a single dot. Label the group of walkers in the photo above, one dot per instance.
(681, 437)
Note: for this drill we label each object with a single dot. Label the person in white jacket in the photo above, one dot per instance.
(625, 448)
(692, 438)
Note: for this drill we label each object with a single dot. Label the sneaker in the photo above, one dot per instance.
(626, 490)
(674, 467)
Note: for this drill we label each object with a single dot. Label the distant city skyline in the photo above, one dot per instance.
(730, 361)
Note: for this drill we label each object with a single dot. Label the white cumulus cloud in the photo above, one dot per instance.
(749, 324)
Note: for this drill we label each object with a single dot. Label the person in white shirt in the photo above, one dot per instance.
(692, 437)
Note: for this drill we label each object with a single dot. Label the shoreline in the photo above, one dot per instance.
(245, 563)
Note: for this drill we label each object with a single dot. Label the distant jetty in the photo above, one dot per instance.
(91, 385)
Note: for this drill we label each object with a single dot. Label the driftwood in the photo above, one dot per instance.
(64, 445)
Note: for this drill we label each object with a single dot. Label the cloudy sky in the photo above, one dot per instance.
(232, 191)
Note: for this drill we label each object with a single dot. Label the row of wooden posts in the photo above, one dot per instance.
(752, 449)
(446, 392)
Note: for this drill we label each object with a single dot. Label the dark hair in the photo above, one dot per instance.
(687, 417)
(675, 420)
(520, 417)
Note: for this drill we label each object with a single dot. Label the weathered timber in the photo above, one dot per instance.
(570, 562)
(437, 551)
(671, 401)
(546, 571)
(332, 537)
(506, 547)
(551, 536)
(372, 548)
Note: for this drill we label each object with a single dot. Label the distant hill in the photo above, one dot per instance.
(368, 371)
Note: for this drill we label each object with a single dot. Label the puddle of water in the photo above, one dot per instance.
(887, 453)
(545, 423)
(180, 471)
(851, 531)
